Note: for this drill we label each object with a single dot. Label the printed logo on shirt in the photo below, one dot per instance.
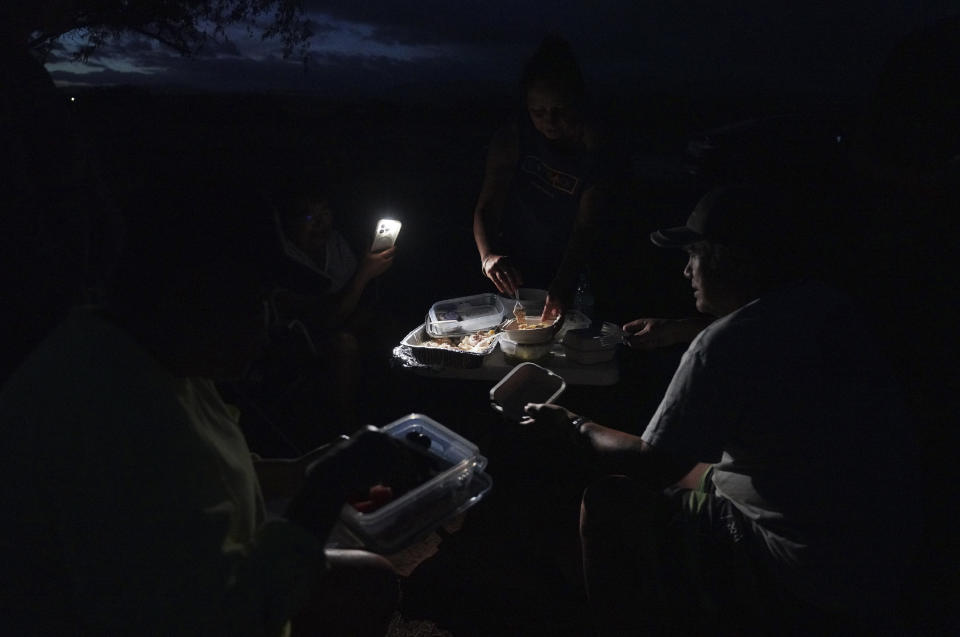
(561, 181)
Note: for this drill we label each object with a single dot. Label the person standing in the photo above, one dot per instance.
(544, 184)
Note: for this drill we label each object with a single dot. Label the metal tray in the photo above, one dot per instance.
(414, 342)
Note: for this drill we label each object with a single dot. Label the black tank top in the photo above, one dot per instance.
(543, 203)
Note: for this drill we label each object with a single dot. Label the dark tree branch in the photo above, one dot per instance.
(178, 23)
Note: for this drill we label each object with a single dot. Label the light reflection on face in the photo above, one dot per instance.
(316, 224)
(554, 115)
(702, 278)
(717, 288)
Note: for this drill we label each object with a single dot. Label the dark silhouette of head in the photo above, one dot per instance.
(554, 65)
(193, 272)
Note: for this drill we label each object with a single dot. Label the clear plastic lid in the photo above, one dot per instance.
(457, 485)
(444, 443)
(464, 315)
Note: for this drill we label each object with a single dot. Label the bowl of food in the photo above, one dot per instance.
(530, 330)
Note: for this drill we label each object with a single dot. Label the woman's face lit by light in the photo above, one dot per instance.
(554, 115)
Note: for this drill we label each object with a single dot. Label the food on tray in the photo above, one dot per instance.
(531, 326)
(476, 342)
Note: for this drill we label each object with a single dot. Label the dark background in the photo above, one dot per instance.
(423, 161)
(417, 151)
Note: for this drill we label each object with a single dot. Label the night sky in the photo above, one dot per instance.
(380, 47)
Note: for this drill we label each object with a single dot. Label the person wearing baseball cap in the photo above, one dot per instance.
(804, 515)
(751, 233)
(757, 225)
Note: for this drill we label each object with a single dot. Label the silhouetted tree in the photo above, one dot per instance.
(181, 24)
(58, 232)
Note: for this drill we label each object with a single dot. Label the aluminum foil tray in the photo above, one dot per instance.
(414, 342)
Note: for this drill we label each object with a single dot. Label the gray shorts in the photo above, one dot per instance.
(710, 566)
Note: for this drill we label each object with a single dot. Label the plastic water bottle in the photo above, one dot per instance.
(583, 297)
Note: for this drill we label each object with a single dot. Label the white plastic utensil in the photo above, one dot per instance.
(611, 335)
(518, 306)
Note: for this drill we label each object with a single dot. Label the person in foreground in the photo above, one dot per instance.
(132, 504)
(544, 184)
(773, 487)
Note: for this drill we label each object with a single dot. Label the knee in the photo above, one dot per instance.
(602, 503)
(362, 571)
(614, 503)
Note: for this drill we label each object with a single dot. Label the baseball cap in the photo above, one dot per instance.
(741, 215)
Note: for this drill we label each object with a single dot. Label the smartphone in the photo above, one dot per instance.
(385, 235)
(526, 383)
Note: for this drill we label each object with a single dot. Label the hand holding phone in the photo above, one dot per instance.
(385, 235)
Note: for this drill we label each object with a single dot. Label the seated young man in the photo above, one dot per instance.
(807, 508)
(132, 503)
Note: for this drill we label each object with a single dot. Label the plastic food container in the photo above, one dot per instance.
(420, 510)
(416, 341)
(573, 320)
(590, 346)
(524, 351)
(525, 383)
(464, 315)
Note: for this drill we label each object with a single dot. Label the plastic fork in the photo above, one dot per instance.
(615, 336)
(518, 306)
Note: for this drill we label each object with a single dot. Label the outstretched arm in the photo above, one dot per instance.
(651, 333)
(615, 451)
(498, 175)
